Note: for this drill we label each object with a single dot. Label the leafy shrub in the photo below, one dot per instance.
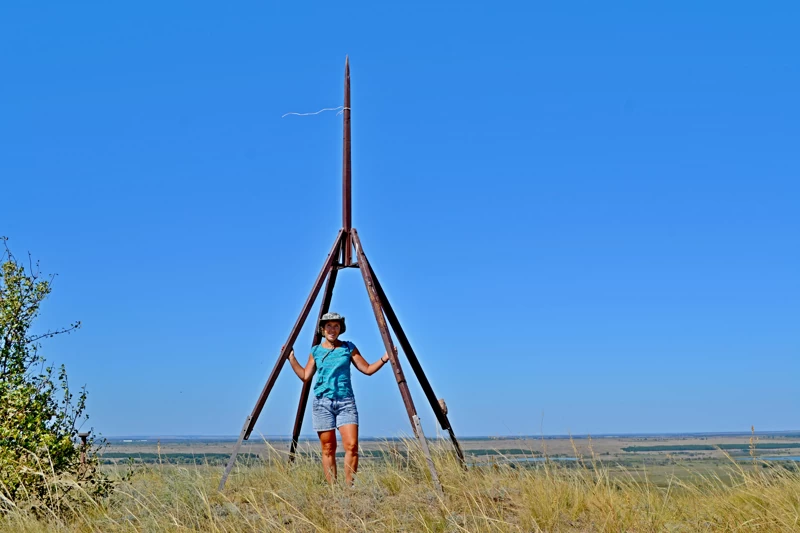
(40, 464)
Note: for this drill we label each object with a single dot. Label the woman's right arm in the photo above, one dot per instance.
(306, 373)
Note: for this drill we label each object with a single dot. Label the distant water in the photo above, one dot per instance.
(524, 460)
(539, 459)
(772, 458)
(542, 459)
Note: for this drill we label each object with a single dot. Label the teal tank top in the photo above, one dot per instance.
(333, 371)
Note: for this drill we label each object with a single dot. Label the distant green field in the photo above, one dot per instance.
(507, 451)
(710, 447)
(208, 458)
(175, 458)
(221, 458)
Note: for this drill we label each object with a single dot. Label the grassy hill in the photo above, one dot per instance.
(395, 494)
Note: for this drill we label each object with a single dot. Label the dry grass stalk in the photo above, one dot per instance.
(397, 495)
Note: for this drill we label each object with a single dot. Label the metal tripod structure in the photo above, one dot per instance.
(340, 257)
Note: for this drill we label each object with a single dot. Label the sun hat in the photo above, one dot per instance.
(332, 317)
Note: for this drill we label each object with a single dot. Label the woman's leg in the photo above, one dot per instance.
(350, 443)
(328, 441)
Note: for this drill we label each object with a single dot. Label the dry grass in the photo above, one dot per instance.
(397, 496)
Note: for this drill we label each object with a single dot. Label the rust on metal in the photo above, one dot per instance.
(439, 410)
(306, 390)
(250, 421)
(232, 460)
(298, 419)
(347, 215)
(425, 450)
(341, 256)
(287, 346)
(84, 445)
(366, 273)
(383, 327)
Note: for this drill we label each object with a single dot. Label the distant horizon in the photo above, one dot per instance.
(465, 437)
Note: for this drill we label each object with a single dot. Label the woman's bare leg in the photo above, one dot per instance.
(328, 441)
(350, 443)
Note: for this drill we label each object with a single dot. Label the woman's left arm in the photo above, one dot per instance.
(366, 368)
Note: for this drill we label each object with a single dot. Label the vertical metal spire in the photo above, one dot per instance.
(347, 215)
(347, 241)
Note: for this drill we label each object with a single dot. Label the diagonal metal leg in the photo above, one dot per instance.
(441, 416)
(301, 408)
(398, 371)
(250, 421)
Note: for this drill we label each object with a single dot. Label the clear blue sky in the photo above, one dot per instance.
(585, 214)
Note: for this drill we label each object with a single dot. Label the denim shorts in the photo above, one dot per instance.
(329, 414)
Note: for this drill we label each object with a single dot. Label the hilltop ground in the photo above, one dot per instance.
(606, 489)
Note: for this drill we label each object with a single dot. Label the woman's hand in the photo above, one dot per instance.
(366, 368)
(296, 366)
(385, 356)
(291, 353)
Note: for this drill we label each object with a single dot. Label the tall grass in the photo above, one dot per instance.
(396, 495)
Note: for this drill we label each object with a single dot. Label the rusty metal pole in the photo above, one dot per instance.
(83, 435)
(402, 339)
(250, 421)
(398, 371)
(347, 240)
(347, 215)
(304, 393)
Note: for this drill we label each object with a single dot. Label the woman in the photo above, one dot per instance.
(334, 402)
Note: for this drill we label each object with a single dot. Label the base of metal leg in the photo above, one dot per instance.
(457, 446)
(298, 422)
(423, 442)
(232, 460)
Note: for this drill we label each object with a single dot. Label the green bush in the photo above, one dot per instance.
(40, 463)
